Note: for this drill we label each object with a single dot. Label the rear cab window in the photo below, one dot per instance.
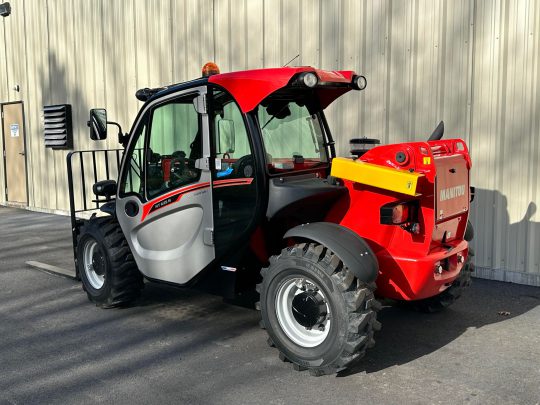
(293, 136)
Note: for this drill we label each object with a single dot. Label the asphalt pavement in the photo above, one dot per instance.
(180, 346)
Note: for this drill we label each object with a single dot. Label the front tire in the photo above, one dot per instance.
(106, 266)
(316, 312)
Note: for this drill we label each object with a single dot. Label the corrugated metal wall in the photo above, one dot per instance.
(474, 64)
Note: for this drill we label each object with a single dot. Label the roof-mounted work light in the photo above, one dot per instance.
(308, 79)
(359, 82)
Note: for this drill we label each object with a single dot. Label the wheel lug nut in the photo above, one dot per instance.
(321, 327)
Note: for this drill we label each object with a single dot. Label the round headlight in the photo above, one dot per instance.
(359, 82)
(310, 79)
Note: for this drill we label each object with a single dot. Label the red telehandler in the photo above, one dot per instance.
(231, 182)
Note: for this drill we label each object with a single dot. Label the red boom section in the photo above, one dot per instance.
(417, 261)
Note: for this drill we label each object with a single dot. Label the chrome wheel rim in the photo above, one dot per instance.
(287, 315)
(93, 262)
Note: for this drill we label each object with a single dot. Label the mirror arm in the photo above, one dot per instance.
(122, 138)
(116, 124)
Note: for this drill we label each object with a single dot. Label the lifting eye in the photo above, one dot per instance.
(402, 158)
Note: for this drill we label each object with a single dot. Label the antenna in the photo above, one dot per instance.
(286, 64)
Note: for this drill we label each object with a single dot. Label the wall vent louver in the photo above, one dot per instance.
(57, 124)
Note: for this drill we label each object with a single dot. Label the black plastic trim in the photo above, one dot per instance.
(355, 253)
(330, 141)
(109, 208)
(295, 192)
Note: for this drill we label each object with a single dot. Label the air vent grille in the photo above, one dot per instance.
(57, 124)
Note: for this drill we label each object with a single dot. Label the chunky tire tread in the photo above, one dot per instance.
(359, 299)
(126, 281)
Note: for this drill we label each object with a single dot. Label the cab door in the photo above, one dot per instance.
(164, 202)
(235, 192)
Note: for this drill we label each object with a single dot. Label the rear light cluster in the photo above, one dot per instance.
(404, 214)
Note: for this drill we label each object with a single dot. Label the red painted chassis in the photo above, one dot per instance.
(409, 262)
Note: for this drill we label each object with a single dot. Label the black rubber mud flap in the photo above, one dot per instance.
(347, 245)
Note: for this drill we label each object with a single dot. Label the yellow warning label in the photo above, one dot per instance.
(427, 160)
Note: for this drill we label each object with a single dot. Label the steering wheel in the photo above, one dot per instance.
(243, 167)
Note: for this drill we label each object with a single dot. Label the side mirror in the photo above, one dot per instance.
(98, 124)
(226, 138)
(105, 188)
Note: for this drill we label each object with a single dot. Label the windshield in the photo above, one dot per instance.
(292, 136)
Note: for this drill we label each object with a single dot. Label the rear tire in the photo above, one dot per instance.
(469, 232)
(316, 312)
(106, 266)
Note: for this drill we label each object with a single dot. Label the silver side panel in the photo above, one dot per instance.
(171, 243)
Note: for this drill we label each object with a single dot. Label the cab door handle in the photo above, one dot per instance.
(21, 153)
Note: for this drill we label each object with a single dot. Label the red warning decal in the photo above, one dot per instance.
(176, 195)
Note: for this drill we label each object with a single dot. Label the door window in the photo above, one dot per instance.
(132, 183)
(175, 144)
(234, 185)
(231, 139)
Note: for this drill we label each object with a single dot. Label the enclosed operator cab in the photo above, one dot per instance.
(210, 164)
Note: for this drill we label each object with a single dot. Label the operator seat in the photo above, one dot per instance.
(154, 171)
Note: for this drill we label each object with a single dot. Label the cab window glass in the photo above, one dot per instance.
(132, 183)
(231, 141)
(293, 138)
(234, 192)
(175, 143)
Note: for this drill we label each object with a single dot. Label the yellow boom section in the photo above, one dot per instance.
(387, 178)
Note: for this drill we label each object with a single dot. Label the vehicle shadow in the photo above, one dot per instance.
(498, 244)
(407, 335)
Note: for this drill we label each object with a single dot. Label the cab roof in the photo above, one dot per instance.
(250, 87)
